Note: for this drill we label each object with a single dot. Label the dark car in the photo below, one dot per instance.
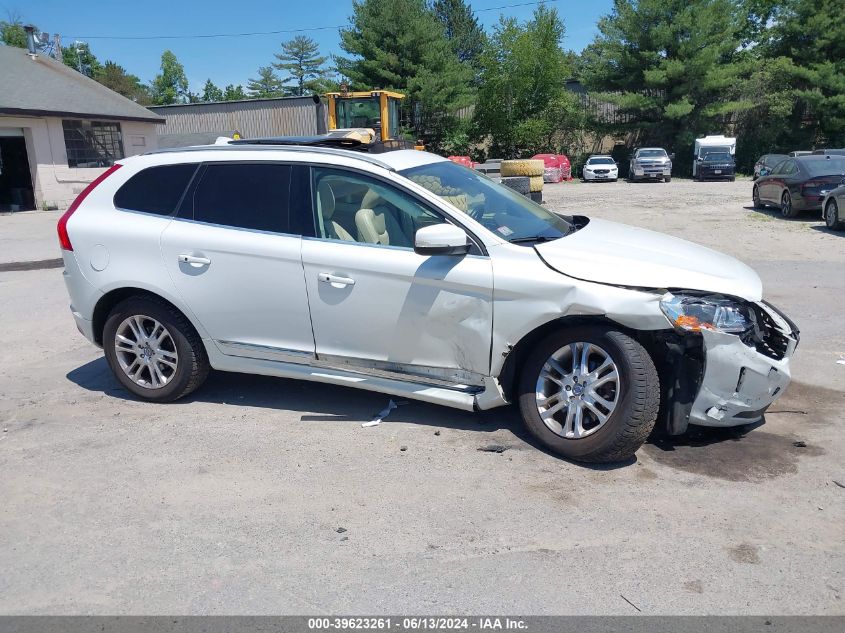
(766, 163)
(715, 165)
(799, 184)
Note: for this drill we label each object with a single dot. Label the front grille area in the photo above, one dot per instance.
(766, 337)
(601, 171)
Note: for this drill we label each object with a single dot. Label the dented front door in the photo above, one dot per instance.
(388, 309)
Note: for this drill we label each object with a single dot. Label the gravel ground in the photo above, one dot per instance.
(233, 500)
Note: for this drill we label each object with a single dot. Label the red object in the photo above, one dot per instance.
(554, 162)
(466, 161)
(64, 238)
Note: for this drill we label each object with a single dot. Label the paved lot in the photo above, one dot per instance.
(230, 501)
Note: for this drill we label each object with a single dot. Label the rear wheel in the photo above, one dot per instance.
(590, 394)
(755, 198)
(786, 208)
(831, 216)
(153, 350)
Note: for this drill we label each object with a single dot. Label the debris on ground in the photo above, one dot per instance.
(800, 444)
(403, 448)
(631, 603)
(493, 448)
(378, 417)
(437, 432)
(839, 483)
(340, 530)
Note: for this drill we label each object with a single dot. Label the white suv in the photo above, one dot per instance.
(407, 274)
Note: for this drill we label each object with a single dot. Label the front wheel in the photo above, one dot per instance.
(590, 394)
(667, 179)
(786, 208)
(153, 350)
(755, 198)
(831, 216)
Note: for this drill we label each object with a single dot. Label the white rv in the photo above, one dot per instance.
(716, 143)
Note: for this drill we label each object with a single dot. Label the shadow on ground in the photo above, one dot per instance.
(733, 454)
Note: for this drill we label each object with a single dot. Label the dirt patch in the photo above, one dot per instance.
(694, 586)
(731, 454)
(745, 553)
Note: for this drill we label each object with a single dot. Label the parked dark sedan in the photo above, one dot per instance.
(715, 165)
(799, 184)
(766, 163)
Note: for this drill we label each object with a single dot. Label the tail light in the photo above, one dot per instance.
(64, 238)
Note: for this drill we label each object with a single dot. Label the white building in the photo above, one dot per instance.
(59, 130)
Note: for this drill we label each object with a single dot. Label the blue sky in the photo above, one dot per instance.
(233, 60)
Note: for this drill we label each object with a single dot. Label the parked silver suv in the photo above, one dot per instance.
(407, 274)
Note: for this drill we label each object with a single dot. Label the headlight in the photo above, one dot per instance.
(694, 313)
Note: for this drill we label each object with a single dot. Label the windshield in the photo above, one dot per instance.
(651, 153)
(718, 157)
(601, 160)
(358, 113)
(508, 214)
(832, 166)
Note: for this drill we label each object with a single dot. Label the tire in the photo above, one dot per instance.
(733, 179)
(667, 179)
(831, 216)
(786, 208)
(636, 395)
(520, 184)
(536, 196)
(526, 167)
(535, 183)
(184, 346)
(755, 198)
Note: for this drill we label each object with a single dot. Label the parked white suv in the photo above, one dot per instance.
(407, 274)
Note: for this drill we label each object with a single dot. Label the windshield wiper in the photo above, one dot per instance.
(533, 238)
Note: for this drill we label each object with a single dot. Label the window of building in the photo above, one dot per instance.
(248, 196)
(92, 143)
(155, 190)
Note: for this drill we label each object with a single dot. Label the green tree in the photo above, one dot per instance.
(171, 85)
(211, 92)
(522, 103)
(673, 67)
(115, 77)
(234, 93)
(462, 28)
(400, 44)
(266, 85)
(78, 56)
(808, 39)
(11, 30)
(301, 59)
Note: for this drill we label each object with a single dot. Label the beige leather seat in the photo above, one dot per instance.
(376, 224)
(326, 207)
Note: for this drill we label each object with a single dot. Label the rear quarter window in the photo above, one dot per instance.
(155, 190)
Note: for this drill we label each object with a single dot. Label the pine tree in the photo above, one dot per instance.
(266, 85)
(79, 57)
(115, 77)
(211, 92)
(462, 28)
(301, 59)
(400, 44)
(234, 93)
(673, 67)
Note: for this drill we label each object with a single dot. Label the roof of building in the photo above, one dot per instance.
(201, 104)
(45, 87)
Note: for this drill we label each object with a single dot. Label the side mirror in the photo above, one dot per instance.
(700, 158)
(672, 156)
(764, 172)
(441, 239)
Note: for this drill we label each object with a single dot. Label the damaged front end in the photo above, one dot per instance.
(726, 361)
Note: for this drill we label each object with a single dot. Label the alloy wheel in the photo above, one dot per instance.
(831, 215)
(786, 205)
(577, 390)
(146, 351)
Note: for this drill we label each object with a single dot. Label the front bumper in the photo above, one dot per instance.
(740, 381)
(650, 171)
(610, 175)
(716, 172)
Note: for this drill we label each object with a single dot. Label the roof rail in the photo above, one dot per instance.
(306, 149)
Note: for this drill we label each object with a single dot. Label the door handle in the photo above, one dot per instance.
(191, 259)
(334, 280)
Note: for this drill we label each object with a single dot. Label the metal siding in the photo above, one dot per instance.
(272, 117)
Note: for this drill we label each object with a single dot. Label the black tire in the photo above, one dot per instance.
(786, 208)
(831, 216)
(537, 196)
(667, 179)
(755, 198)
(733, 178)
(520, 184)
(633, 417)
(192, 366)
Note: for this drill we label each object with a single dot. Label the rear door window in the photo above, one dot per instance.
(251, 196)
(155, 190)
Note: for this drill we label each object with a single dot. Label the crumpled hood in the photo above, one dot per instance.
(621, 255)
